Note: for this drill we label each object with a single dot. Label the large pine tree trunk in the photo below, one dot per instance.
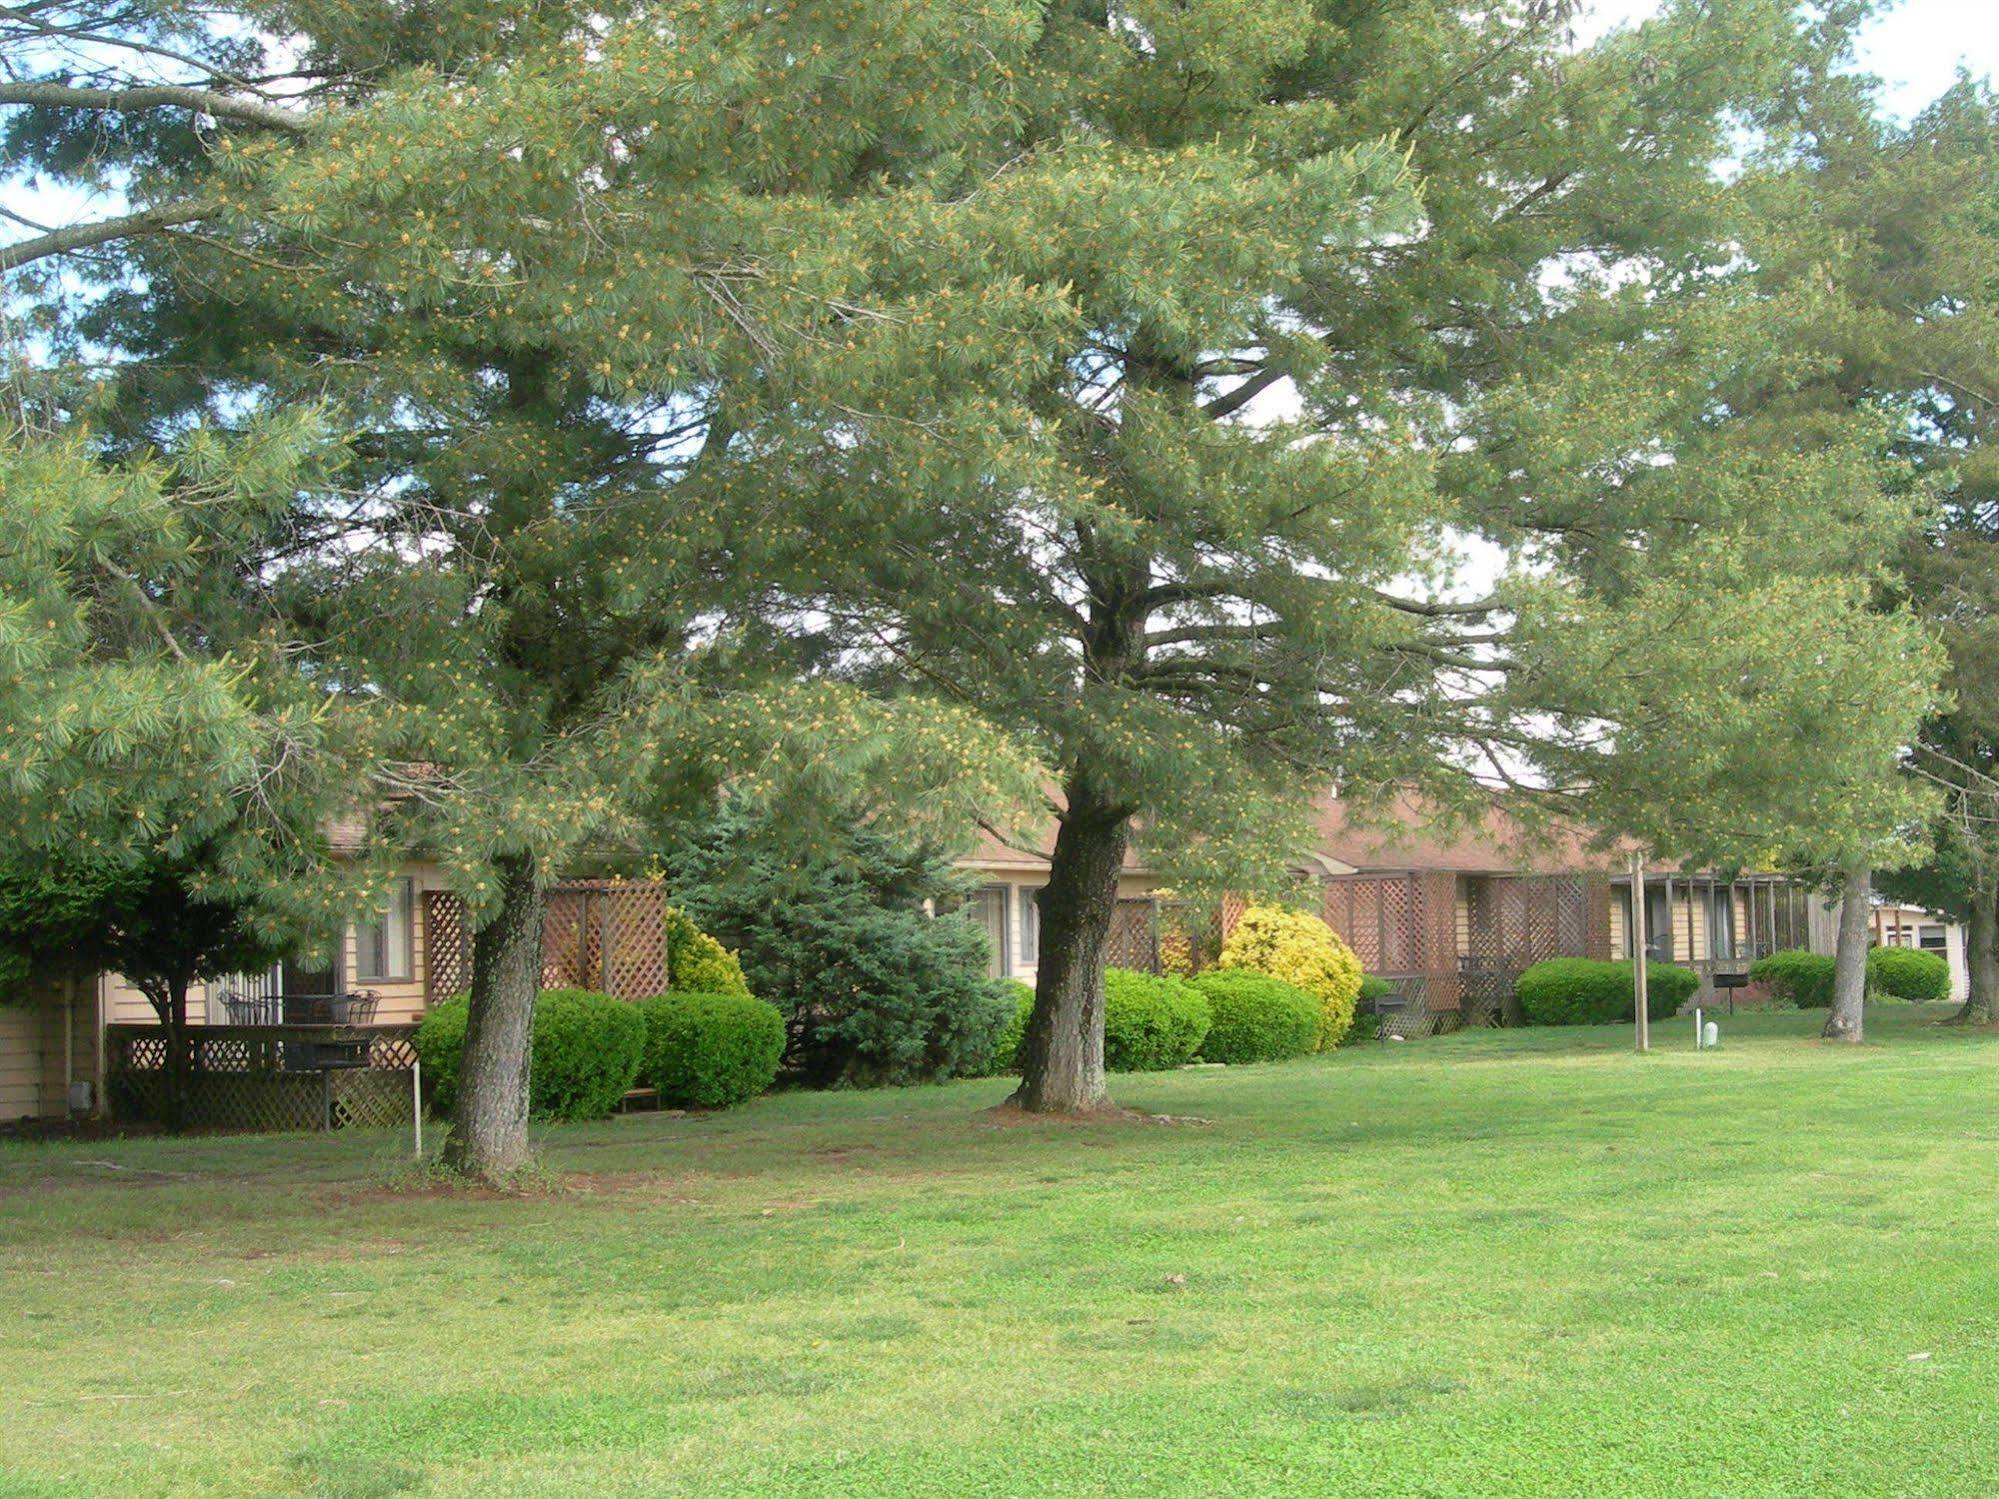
(489, 1126)
(1062, 1054)
(1981, 960)
(1849, 974)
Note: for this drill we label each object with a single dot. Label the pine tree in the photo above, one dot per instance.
(1129, 377)
(1306, 379)
(1903, 219)
(576, 291)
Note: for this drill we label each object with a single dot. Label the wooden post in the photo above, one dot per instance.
(1641, 1004)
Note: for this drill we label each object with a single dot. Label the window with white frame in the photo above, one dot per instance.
(987, 910)
(1931, 938)
(383, 944)
(1030, 927)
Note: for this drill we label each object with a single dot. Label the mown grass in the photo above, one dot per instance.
(1497, 1263)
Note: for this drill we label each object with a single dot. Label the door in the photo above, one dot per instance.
(308, 985)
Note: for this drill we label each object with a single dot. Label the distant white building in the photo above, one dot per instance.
(1895, 925)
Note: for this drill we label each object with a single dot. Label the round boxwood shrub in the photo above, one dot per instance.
(1804, 978)
(1591, 991)
(1300, 949)
(586, 1051)
(1151, 1022)
(709, 1051)
(1256, 1018)
(1908, 973)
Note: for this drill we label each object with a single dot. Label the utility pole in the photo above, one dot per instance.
(1640, 998)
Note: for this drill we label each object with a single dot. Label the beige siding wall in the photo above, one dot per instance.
(35, 1070)
(1462, 914)
(1616, 924)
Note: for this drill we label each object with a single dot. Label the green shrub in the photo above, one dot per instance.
(1367, 1018)
(1300, 949)
(1804, 978)
(696, 963)
(1908, 973)
(586, 1051)
(1151, 1022)
(1592, 991)
(1256, 1018)
(1006, 1046)
(709, 1051)
(833, 930)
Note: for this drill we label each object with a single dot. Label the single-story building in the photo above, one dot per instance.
(1450, 918)
(1896, 924)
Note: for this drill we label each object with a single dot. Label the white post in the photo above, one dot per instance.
(416, 1103)
(1641, 999)
(1697, 1027)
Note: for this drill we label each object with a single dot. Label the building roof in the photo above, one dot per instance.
(1406, 833)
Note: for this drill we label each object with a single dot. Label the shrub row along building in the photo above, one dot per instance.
(1450, 919)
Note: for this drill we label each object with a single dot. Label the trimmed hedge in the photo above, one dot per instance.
(1908, 973)
(1804, 978)
(1300, 949)
(1151, 1022)
(586, 1051)
(1256, 1018)
(1594, 991)
(709, 1051)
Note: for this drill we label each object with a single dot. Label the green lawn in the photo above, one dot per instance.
(1496, 1263)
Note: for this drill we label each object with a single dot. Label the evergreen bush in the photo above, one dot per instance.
(1908, 973)
(1804, 978)
(874, 989)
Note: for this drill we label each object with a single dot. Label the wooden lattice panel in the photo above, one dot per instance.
(1517, 921)
(595, 934)
(1381, 917)
(447, 947)
(1134, 936)
(263, 1079)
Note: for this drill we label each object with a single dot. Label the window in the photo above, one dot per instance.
(1658, 933)
(1931, 938)
(382, 944)
(1030, 926)
(1721, 921)
(987, 910)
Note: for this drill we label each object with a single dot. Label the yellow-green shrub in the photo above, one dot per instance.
(1302, 950)
(696, 962)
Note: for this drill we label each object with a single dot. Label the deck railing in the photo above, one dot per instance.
(265, 1078)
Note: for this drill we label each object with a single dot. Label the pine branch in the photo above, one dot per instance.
(155, 96)
(104, 231)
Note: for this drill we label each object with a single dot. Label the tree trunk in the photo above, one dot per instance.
(169, 1001)
(1981, 960)
(1849, 974)
(1062, 1054)
(489, 1134)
